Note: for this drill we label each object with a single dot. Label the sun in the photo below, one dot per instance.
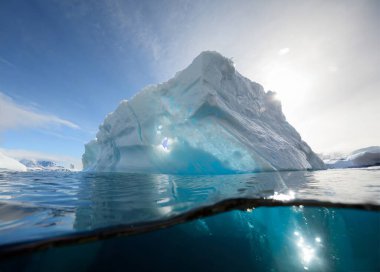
(290, 84)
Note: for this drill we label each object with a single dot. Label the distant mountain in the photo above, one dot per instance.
(364, 157)
(44, 165)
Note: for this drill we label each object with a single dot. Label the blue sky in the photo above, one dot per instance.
(65, 64)
(65, 60)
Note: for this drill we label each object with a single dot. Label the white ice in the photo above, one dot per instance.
(44, 165)
(9, 164)
(369, 156)
(208, 119)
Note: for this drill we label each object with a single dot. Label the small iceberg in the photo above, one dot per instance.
(9, 164)
(364, 157)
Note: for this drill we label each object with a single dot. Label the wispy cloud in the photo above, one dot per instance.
(2, 60)
(13, 115)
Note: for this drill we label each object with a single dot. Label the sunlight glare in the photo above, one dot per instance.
(290, 84)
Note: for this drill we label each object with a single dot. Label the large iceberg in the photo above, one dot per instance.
(208, 119)
(364, 157)
(9, 164)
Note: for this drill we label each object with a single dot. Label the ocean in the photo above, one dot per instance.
(275, 221)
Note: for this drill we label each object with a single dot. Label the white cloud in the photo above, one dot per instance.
(283, 51)
(332, 68)
(14, 116)
(303, 50)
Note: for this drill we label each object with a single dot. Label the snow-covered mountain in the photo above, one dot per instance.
(364, 157)
(9, 164)
(43, 165)
(208, 119)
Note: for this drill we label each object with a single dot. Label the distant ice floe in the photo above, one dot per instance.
(9, 164)
(365, 157)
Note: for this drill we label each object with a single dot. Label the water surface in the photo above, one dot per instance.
(39, 205)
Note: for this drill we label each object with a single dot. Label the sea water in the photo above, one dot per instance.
(277, 221)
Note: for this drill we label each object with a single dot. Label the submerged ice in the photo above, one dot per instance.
(208, 119)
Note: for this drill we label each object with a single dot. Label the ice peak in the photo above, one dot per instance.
(210, 64)
(212, 57)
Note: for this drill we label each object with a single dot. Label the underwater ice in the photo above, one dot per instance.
(208, 119)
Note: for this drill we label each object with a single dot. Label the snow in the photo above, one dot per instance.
(39, 161)
(44, 165)
(208, 119)
(9, 164)
(365, 157)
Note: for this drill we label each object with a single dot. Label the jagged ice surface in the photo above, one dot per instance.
(208, 119)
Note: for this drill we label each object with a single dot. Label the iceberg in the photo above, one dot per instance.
(208, 119)
(9, 164)
(364, 157)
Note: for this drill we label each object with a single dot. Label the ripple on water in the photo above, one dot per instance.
(42, 204)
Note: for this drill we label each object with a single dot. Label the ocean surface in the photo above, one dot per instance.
(276, 221)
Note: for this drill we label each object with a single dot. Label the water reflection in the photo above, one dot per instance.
(67, 202)
(123, 198)
(112, 199)
(287, 196)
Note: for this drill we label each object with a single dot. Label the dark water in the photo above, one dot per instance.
(266, 239)
(38, 210)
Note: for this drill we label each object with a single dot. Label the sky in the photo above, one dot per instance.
(65, 64)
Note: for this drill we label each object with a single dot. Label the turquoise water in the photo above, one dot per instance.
(189, 223)
(266, 239)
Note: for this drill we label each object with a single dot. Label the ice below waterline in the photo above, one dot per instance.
(41, 205)
(263, 239)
